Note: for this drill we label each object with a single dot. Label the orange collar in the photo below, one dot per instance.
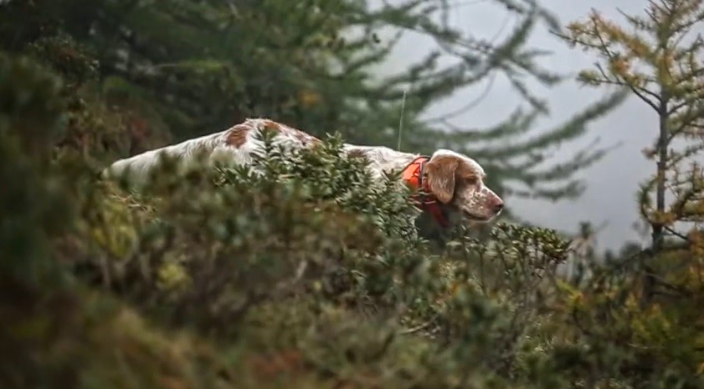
(414, 177)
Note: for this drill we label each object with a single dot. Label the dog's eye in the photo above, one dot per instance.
(471, 180)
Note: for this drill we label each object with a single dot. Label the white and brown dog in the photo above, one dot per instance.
(449, 186)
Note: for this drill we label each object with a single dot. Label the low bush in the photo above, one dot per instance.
(302, 271)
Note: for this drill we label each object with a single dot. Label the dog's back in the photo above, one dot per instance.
(236, 145)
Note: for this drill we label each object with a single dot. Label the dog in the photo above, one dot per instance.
(447, 185)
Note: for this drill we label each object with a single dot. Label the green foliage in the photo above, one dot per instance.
(324, 173)
(657, 61)
(198, 67)
(315, 213)
(29, 118)
(298, 272)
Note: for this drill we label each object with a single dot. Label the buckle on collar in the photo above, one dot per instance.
(423, 197)
(422, 193)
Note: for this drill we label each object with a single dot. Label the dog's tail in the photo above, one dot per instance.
(136, 170)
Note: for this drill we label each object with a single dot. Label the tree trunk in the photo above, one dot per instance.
(661, 177)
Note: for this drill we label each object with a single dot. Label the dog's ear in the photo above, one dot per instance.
(441, 172)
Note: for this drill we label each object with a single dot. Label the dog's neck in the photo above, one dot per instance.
(384, 158)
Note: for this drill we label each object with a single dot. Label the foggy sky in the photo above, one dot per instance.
(612, 183)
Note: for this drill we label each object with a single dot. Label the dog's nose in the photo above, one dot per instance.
(498, 207)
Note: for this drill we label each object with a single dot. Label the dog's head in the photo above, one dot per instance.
(458, 184)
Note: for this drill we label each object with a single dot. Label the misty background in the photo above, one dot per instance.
(611, 184)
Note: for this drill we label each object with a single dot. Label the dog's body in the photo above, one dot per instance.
(452, 183)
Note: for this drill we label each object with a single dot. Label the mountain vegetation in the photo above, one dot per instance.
(312, 275)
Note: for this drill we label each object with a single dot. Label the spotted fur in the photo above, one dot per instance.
(456, 180)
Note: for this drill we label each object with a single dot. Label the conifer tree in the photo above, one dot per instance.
(658, 58)
(201, 66)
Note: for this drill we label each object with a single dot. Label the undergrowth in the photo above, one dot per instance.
(302, 271)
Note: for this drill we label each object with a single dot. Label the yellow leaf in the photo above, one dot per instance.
(308, 98)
